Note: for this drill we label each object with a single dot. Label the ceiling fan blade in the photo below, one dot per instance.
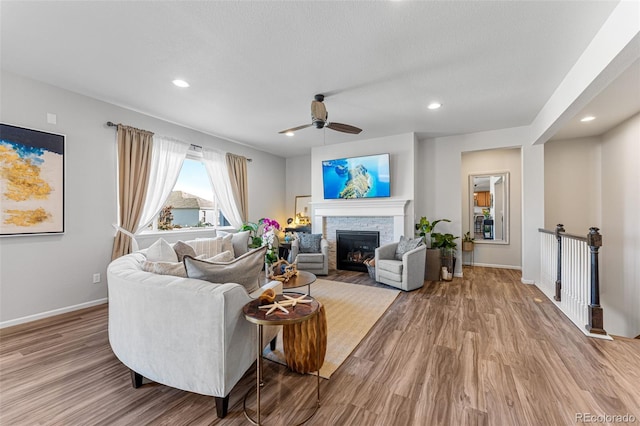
(294, 129)
(345, 128)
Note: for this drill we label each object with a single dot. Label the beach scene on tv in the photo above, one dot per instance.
(357, 177)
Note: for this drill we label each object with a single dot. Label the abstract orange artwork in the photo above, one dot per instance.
(31, 181)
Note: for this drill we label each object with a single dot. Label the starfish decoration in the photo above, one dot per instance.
(288, 301)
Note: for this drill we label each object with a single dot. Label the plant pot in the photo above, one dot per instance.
(467, 246)
(432, 267)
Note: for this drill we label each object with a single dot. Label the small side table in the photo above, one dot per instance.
(300, 313)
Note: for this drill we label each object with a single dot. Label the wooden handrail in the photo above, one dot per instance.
(564, 234)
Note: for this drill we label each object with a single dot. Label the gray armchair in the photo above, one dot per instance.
(316, 263)
(406, 274)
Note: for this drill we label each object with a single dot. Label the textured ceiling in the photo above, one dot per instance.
(255, 66)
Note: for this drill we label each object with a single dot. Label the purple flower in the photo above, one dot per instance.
(269, 224)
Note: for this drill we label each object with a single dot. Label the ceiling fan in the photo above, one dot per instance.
(319, 119)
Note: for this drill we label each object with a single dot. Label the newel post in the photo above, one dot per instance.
(559, 229)
(596, 323)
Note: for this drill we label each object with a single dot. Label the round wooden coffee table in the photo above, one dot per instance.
(303, 278)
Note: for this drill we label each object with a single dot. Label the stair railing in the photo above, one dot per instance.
(570, 276)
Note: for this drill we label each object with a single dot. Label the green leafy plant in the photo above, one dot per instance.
(443, 241)
(467, 238)
(255, 240)
(424, 228)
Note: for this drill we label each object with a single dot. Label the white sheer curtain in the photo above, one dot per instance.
(216, 165)
(167, 156)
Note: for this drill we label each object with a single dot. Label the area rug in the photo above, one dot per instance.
(352, 310)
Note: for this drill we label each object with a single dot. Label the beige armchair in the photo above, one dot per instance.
(314, 262)
(406, 274)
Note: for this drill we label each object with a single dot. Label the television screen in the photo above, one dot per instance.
(356, 177)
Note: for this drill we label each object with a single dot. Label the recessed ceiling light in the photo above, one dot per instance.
(587, 118)
(289, 133)
(180, 83)
(434, 105)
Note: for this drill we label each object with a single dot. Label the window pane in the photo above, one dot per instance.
(191, 203)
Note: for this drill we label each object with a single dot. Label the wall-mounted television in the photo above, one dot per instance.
(356, 177)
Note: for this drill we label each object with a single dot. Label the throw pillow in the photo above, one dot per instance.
(243, 270)
(225, 256)
(183, 249)
(239, 240)
(405, 245)
(165, 268)
(161, 251)
(177, 268)
(212, 246)
(309, 243)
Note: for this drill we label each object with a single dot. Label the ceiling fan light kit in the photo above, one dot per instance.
(319, 117)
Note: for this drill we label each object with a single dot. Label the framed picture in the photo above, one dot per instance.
(31, 181)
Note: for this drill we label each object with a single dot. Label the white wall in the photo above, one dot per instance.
(402, 160)
(572, 184)
(39, 274)
(487, 161)
(620, 252)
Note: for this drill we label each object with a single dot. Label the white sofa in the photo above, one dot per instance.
(181, 332)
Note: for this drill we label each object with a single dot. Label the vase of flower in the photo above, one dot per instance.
(269, 238)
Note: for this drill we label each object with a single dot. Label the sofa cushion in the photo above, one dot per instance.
(177, 268)
(183, 249)
(239, 240)
(309, 243)
(390, 276)
(243, 270)
(165, 268)
(161, 251)
(212, 246)
(390, 265)
(405, 245)
(310, 258)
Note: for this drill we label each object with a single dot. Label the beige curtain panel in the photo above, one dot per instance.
(134, 163)
(237, 167)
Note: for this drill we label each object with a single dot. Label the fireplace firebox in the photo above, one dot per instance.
(354, 247)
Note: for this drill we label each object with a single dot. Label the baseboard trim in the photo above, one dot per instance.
(52, 313)
(524, 281)
(490, 265)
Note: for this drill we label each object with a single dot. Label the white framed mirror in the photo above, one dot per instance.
(489, 207)
(303, 210)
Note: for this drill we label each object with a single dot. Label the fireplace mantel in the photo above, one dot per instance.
(362, 207)
(394, 208)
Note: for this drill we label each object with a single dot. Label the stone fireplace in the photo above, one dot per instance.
(385, 216)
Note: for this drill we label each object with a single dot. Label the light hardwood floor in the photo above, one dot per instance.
(483, 350)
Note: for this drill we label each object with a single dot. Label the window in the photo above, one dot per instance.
(192, 203)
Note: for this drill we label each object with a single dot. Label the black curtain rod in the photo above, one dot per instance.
(112, 124)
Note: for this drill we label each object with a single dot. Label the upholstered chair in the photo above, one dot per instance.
(406, 273)
(310, 252)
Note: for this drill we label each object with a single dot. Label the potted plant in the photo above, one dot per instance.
(467, 242)
(424, 228)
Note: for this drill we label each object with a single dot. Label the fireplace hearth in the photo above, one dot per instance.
(353, 248)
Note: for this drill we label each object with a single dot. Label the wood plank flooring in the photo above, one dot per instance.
(483, 350)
